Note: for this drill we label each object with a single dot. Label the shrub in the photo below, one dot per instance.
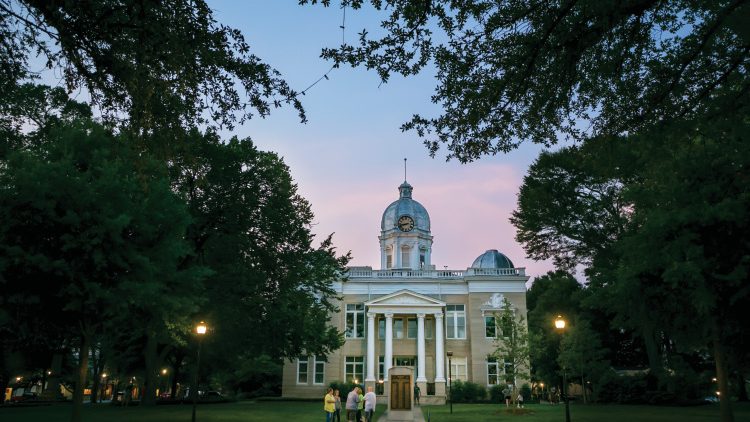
(526, 392)
(345, 387)
(496, 393)
(467, 392)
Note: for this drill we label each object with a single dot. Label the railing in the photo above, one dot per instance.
(366, 272)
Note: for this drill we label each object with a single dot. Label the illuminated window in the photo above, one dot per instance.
(355, 368)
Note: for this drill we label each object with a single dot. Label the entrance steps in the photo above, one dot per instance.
(415, 415)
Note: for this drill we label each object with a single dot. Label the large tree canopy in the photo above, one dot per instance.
(156, 64)
(510, 71)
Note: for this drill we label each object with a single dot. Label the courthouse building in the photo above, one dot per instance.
(412, 314)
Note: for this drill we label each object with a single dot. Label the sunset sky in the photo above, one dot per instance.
(348, 159)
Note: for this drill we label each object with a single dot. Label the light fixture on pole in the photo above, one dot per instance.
(450, 376)
(560, 325)
(200, 330)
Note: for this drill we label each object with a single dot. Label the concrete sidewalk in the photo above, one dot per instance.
(415, 414)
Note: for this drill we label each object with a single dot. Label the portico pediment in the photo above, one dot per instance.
(404, 299)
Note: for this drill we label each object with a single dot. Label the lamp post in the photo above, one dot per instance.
(450, 380)
(560, 325)
(200, 330)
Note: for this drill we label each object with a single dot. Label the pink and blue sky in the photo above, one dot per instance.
(348, 159)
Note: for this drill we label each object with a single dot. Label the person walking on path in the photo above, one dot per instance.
(417, 392)
(351, 405)
(329, 405)
(370, 402)
(360, 404)
(507, 394)
(337, 412)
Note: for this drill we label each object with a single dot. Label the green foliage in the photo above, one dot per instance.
(512, 70)
(496, 393)
(512, 348)
(467, 392)
(162, 65)
(526, 392)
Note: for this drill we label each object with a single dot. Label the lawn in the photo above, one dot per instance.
(229, 412)
(313, 412)
(584, 413)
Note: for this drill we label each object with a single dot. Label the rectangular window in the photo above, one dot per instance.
(381, 328)
(493, 370)
(398, 328)
(506, 324)
(389, 261)
(421, 260)
(355, 320)
(458, 369)
(490, 327)
(456, 321)
(429, 328)
(381, 367)
(355, 368)
(302, 364)
(411, 328)
(405, 361)
(405, 261)
(320, 370)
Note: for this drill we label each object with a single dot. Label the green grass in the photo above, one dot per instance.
(313, 412)
(228, 412)
(583, 413)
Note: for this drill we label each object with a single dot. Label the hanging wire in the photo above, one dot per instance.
(343, 42)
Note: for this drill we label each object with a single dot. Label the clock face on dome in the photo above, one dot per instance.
(405, 223)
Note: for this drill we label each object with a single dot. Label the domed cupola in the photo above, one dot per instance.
(405, 214)
(405, 239)
(492, 259)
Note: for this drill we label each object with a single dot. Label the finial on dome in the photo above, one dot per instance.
(404, 170)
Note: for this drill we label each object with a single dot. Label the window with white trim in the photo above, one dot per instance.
(456, 320)
(381, 328)
(493, 371)
(398, 328)
(302, 365)
(458, 369)
(490, 326)
(320, 370)
(411, 328)
(381, 367)
(355, 320)
(405, 257)
(355, 368)
(389, 261)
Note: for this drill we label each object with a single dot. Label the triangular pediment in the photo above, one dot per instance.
(405, 298)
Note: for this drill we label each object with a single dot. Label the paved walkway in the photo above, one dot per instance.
(415, 414)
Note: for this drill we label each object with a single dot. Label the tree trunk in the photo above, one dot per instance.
(742, 395)
(83, 367)
(96, 374)
(52, 390)
(722, 374)
(176, 374)
(149, 380)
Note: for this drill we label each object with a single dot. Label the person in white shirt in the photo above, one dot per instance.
(370, 401)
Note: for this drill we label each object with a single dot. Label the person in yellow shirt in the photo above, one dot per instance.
(329, 405)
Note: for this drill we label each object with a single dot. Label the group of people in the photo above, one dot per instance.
(508, 393)
(357, 405)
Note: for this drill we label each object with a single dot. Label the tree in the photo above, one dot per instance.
(157, 65)
(251, 227)
(97, 231)
(581, 353)
(514, 71)
(512, 344)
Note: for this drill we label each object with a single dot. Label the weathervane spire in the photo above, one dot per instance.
(404, 169)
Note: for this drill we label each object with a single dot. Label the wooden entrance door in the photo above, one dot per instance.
(401, 392)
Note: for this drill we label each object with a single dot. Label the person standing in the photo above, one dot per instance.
(370, 402)
(337, 412)
(329, 405)
(507, 394)
(351, 405)
(417, 392)
(360, 404)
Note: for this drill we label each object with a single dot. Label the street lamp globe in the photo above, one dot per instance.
(201, 328)
(559, 322)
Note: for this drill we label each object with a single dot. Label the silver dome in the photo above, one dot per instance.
(405, 206)
(492, 259)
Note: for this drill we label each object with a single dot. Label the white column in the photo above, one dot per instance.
(439, 353)
(388, 359)
(420, 349)
(370, 347)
